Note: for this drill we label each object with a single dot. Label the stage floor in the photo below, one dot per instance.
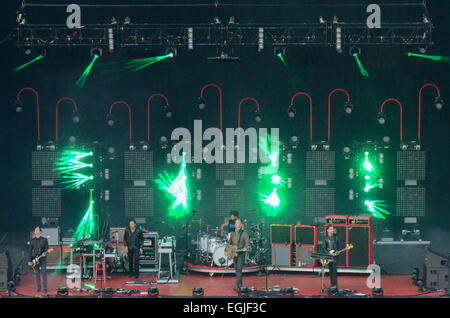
(222, 285)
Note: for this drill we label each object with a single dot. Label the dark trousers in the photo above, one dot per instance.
(238, 265)
(333, 273)
(41, 268)
(133, 261)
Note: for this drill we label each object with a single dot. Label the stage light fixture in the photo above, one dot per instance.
(110, 119)
(321, 20)
(153, 291)
(354, 50)
(258, 116)
(348, 107)
(260, 39)
(127, 20)
(216, 21)
(96, 51)
(335, 19)
(163, 142)
(294, 142)
(171, 51)
(167, 111)
(107, 291)
(339, 40)
(198, 292)
(75, 117)
(132, 147)
(377, 292)
(190, 32)
(113, 21)
(382, 118)
(201, 103)
(292, 111)
(18, 105)
(288, 291)
(232, 20)
(111, 40)
(72, 139)
(62, 291)
(346, 152)
(244, 291)
(425, 19)
(438, 102)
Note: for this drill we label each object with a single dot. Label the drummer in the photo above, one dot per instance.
(234, 215)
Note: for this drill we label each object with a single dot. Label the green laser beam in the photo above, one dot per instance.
(377, 208)
(362, 70)
(82, 80)
(178, 189)
(280, 56)
(21, 67)
(75, 180)
(86, 228)
(436, 58)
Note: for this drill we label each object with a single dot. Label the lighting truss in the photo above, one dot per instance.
(177, 35)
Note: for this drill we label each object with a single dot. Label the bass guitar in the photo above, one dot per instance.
(333, 253)
(232, 250)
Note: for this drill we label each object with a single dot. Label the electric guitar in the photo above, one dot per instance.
(332, 252)
(36, 260)
(231, 251)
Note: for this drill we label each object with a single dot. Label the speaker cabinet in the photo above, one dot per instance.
(303, 256)
(281, 255)
(54, 258)
(3, 278)
(361, 255)
(281, 234)
(435, 277)
(306, 238)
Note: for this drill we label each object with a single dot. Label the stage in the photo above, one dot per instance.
(222, 285)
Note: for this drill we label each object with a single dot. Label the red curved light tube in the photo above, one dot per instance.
(401, 113)
(239, 111)
(310, 111)
(329, 106)
(37, 107)
(420, 105)
(220, 99)
(148, 110)
(57, 104)
(129, 114)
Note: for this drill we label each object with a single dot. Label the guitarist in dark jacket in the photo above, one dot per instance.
(38, 246)
(332, 243)
(134, 241)
(239, 238)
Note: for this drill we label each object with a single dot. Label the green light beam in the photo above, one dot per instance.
(436, 58)
(82, 80)
(136, 65)
(86, 228)
(75, 180)
(377, 208)
(178, 189)
(367, 165)
(277, 180)
(362, 70)
(21, 67)
(280, 55)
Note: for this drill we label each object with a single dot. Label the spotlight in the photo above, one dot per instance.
(153, 291)
(190, 38)
(294, 142)
(381, 118)
(132, 147)
(127, 20)
(110, 120)
(377, 292)
(113, 21)
(167, 111)
(422, 50)
(75, 117)
(18, 105)
(348, 107)
(258, 117)
(335, 19)
(425, 19)
(172, 51)
(216, 20)
(72, 139)
(232, 20)
(110, 40)
(27, 51)
(386, 139)
(354, 50)
(198, 292)
(96, 51)
(163, 142)
(62, 291)
(292, 111)
(201, 103)
(321, 20)
(244, 291)
(111, 150)
(438, 102)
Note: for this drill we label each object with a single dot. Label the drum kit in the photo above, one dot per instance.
(210, 247)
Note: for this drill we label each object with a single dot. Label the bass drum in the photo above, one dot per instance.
(220, 259)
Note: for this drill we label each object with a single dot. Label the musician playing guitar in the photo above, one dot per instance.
(39, 247)
(238, 245)
(332, 244)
